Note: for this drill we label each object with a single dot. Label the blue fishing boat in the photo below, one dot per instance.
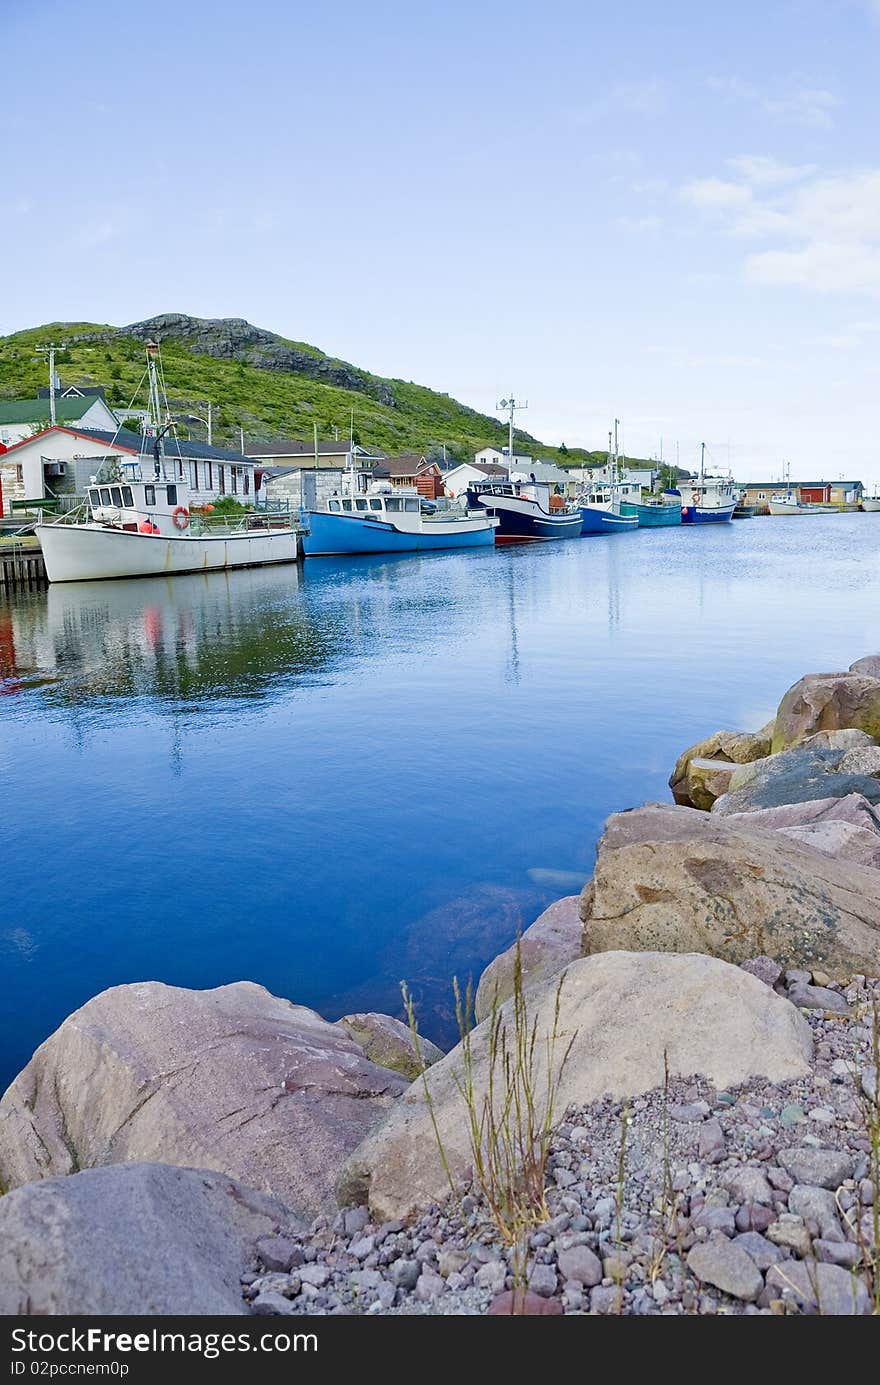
(526, 511)
(388, 519)
(600, 511)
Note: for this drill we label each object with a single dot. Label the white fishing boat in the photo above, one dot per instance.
(871, 503)
(137, 521)
(788, 504)
(144, 528)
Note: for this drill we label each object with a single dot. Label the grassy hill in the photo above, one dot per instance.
(266, 384)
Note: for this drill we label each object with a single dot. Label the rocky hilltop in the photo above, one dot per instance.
(715, 1137)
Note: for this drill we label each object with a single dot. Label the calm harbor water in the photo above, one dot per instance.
(330, 779)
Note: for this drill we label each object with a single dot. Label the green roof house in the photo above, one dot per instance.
(20, 418)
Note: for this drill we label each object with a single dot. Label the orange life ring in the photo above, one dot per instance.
(181, 517)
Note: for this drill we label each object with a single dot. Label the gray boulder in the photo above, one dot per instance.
(869, 666)
(793, 776)
(546, 948)
(619, 1011)
(232, 1079)
(670, 879)
(820, 1288)
(852, 808)
(839, 839)
(135, 1239)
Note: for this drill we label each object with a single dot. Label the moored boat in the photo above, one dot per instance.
(871, 503)
(136, 527)
(386, 519)
(654, 513)
(788, 504)
(526, 511)
(600, 511)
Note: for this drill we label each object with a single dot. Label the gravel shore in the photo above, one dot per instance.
(756, 1200)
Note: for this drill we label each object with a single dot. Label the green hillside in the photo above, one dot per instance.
(268, 385)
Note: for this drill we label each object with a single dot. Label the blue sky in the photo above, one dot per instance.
(665, 213)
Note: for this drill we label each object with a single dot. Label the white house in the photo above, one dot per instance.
(457, 479)
(541, 471)
(500, 456)
(638, 476)
(61, 461)
(297, 452)
(21, 418)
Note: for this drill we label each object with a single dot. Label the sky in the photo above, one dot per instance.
(668, 214)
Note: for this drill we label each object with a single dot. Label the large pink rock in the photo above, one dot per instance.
(232, 1079)
(827, 702)
(870, 666)
(853, 808)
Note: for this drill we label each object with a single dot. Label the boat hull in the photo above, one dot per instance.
(523, 521)
(871, 504)
(779, 507)
(597, 521)
(92, 553)
(349, 535)
(707, 514)
(653, 516)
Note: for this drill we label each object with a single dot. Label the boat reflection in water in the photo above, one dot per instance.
(204, 635)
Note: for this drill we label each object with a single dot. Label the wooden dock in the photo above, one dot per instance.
(21, 567)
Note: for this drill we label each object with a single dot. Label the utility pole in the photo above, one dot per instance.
(210, 408)
(49, 351)
(511, 405)
(241, 436)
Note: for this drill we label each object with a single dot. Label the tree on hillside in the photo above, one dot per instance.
(563, 449)
(668, 477)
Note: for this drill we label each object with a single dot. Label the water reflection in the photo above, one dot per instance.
(211, 635)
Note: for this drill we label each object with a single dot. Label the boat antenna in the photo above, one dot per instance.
(510, 406)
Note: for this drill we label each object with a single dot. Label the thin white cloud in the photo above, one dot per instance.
(716, 192)
(812, 107)
(821, 233)
(793, 101)
(640, 224)
(762, 170)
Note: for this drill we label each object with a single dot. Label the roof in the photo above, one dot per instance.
(86, 390)
(126, 441)
(36, 410)
(409, 464)
(172, 447)
(299, 447)
(784, 485)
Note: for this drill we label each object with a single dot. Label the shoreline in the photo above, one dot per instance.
(751, 902)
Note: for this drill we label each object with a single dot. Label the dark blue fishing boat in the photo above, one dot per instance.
(526, 511)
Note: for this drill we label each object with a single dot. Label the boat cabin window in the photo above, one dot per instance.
(393, 504)
(360, 505)
(94, 497)
(346, 504)
(411, 506)
(375, 504)
(116, 495)
(127, 498)
(171, 494)
(333, 505)
(149, 495)
(105, 495)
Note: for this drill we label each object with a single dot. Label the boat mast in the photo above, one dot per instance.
(702, 463)
(511, 405)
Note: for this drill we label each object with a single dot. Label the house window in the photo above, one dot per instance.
(180, 468)
(210, 475)
(221, 477)
(194, 475)
(19, 475)
(234, 470)
(761, 495)
(247, 484)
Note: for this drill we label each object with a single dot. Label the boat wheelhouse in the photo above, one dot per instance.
(526, 511)
(600, 508)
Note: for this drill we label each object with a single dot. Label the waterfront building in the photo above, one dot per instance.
(458, 478)
(57, 465)
(22, 418)
(843, 493)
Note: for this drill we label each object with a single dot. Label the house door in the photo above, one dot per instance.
(310, 491)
